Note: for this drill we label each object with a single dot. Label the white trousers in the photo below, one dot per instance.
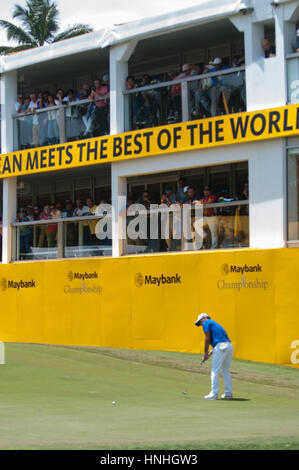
(212, 222)
(221, 361)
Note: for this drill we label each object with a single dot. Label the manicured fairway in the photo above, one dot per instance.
(61, 398)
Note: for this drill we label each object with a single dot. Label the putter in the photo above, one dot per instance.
(192, 379)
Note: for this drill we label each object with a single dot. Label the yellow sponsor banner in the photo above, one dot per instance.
(151, 302)
(193, 135)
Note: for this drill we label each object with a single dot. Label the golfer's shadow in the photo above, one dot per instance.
(237, 399)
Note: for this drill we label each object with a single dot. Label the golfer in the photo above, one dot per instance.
(222, 355)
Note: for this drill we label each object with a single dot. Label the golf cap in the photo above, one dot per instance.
(185, 67)
(217, 61)
(200, 317)
(186, 189)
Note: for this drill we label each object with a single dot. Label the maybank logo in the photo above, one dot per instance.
(158, 281)
(227, 269)
(139, 280)
(17, 284)
(72, 276)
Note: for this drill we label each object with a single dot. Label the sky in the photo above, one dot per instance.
(100, 13)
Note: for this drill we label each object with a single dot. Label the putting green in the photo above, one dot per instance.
(61, 398)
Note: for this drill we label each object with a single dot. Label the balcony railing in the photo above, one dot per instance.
(195, 97)
(58, 124)
(175, 228)
(70, 237)
(293, 77)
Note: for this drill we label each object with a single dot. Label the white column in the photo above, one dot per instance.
(119, 199)
(8, 99)
(266, 79)
(9, 215)
(119, 57)
(267, 194)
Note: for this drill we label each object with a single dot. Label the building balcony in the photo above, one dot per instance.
(195, 97)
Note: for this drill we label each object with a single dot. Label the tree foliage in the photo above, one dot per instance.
(39, 24)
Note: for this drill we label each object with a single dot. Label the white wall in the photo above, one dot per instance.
(266, 79)
(8, 99)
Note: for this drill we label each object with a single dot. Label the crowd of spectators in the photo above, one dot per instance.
(148, 106)
(220, 227)
(82, 120)
(208, 96)
(46, 234)
(223, 225)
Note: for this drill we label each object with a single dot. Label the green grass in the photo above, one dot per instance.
(61, 398)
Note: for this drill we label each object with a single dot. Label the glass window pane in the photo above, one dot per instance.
(293, 194)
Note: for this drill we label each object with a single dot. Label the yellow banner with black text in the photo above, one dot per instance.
(180, 137)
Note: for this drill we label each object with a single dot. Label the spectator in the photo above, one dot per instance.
(19, 108)
(148, 104)
(176, 104)
(100, 93)
(90, 235)
(74, 124)
(59, 97)
(269, 49)
(84, 93)
(152, 243)
(35, 122)
(202, 95)
(226, 220)
(130, 83)
(52, 122)
(45, 215)
(168, 199)
(42, 117)
(71, 227)
(80, 209)
(45, 97)
(195, 69)
(19, 103)
(68, 211)
(36, 213)
(25, 232)
(180, 192)
(210, 218)
(191, 197)
(218, 87)
(55, 213)
(26, 126)
(131, 243)
(136, 101)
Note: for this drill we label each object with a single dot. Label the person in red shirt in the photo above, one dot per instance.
(100, 94)
(209, 216)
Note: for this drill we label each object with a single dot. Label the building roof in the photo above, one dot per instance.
(205, 11)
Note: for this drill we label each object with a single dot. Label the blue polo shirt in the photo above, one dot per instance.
(218, 334)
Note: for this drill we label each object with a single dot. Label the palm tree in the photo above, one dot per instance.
(39, 25)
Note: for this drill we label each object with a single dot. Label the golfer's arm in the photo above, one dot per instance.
(207, 341)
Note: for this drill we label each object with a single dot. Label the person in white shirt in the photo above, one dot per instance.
(33, 106)
(80, 209)
(74, 123)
